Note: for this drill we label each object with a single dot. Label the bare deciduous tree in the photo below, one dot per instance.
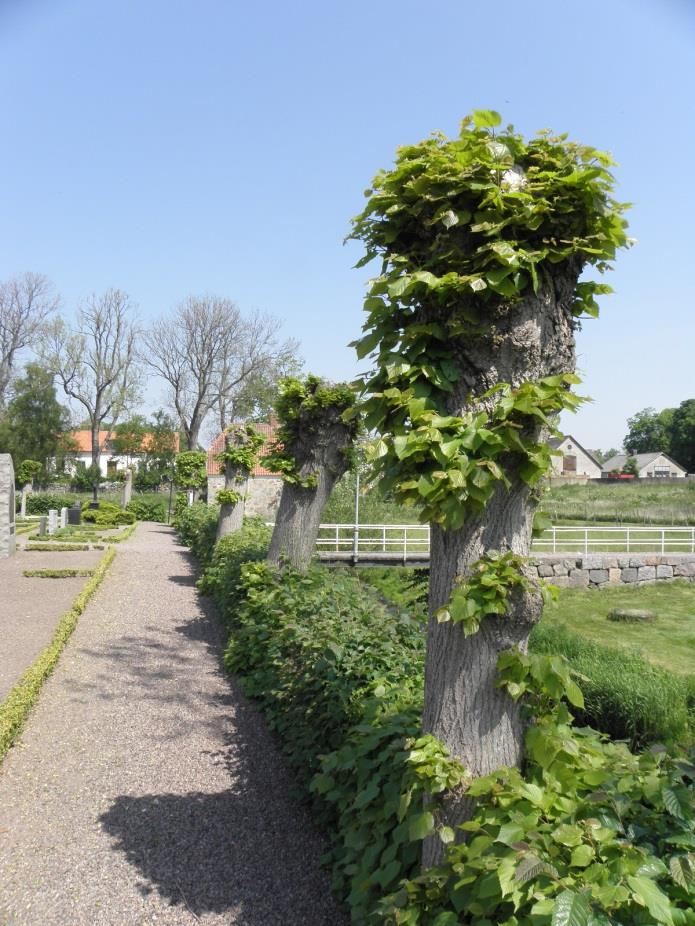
(95, 362)
(209, 352)
(26, 303)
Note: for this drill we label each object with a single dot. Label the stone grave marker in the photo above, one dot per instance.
(128, 487)
(63, 517)
(52, 520)
(43, 525)
(8, 538)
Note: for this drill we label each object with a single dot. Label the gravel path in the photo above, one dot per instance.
(146, 789)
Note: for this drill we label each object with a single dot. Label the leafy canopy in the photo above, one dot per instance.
(465, 228)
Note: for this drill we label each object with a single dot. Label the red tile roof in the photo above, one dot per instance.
(83, 440)
(217, 446)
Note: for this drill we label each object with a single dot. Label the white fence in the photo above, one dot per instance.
(415, 539)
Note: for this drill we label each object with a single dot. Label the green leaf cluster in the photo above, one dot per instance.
(465, 229)
(28, 471)
(448, 465)
(244, 451)
(486, 591)
(229, 497)
(304, 408)
(190, 469)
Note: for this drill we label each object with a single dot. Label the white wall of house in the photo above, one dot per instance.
(662, 467)
(107, 462)
(574, 461)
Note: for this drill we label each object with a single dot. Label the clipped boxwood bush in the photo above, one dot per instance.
(107, 515)
(146, 510)
(197, 525)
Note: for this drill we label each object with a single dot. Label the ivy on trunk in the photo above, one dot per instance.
(241, 446)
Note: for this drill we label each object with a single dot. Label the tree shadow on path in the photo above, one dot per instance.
(249, 852)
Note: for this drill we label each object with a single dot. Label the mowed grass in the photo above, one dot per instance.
(668, 642)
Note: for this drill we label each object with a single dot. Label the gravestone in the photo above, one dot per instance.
(43, 524)
(52, 520)
(128, 487)
(8, 539)
(63, 517)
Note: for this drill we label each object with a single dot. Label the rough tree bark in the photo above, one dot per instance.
(480, 723)
(321, 452)
(236, 479)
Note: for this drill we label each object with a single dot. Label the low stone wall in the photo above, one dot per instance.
(262, 499)
(597, 570)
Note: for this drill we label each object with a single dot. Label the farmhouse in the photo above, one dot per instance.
(573, 460)
(110, 462)
(264, 487)
(649, 466)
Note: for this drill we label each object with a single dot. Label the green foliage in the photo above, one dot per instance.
(649, 431)
(197, 525)
(631, 467)
(85, 478)
(147, 510)
(486, 591)
(34, 420)
(191, 469)
(339, 677)
(228, 497)
(43, 502)
(51, 547)
(304, 407)
(245, 446)
(28, 471)
(107, 515)
(16, 707)
(589, 834)
(56, 573)
(683, 435)
(465, 228)
(222, 575)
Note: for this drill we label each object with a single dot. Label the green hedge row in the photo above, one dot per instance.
(590, 835)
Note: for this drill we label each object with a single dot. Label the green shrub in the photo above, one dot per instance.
(223, 574)
(145, 510)
(625, 696)
(197, 525)
(591, 834)
(42, 502)
(107, 515)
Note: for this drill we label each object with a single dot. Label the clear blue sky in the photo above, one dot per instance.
(170, 147)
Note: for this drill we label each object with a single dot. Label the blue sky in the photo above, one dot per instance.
(170, 147)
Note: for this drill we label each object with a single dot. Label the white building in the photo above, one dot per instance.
(649, 465)
(110, 462)
(573, 460)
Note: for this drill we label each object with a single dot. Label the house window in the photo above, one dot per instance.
(111, 467)
(569, 464)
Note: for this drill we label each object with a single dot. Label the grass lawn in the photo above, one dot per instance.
(669, 642)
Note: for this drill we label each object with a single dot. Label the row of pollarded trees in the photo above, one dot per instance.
(471, 326)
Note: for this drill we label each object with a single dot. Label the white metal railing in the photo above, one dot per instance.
(616, 540)
(415, 539)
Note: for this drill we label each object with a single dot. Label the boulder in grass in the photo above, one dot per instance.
(631, 615)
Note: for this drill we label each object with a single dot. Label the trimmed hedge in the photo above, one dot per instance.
(16, 707)
(145, 510)
(107, 515)
(42, 502)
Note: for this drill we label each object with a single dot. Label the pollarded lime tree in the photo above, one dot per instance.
(241, 446)
(472, 327)
(312, 450)
(190, 472)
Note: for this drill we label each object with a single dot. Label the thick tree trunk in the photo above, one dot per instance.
(96, 455)
(478, 722)
(236, 479)
(298, 519)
